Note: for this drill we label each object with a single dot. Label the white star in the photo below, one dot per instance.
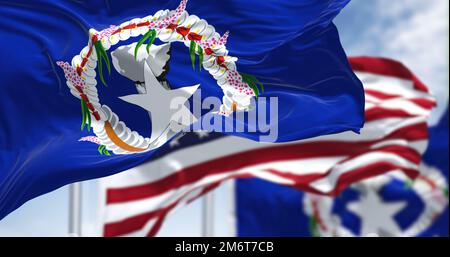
(157, 101)
(377, 217)
(202, 134)
(176, 140)
(174, 143)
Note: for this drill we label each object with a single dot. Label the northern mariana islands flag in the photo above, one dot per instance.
(387, 205)
(92, 88)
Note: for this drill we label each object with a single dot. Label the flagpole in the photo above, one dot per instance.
(208, 215)
(75, 209)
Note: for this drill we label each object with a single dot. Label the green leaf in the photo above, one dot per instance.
(253, 83)
(140, 42)
(254, 88)
(260, 85)
(99, 64)
(409, 184)
(192, 53)
(313, 227)
(102, 56)
(151, 40)
(200, 57)
(105, 57)
(83, 113)
(106, 152)
(101, 148)
(88, 114)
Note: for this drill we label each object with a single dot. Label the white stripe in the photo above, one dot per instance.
(142, 232)
(120, 211)
(328, 183)
(117, 212)
(420, 146)
(398, 103)
(150, 223)
(376, 100)
(374, 130)
(390, 85)
(369, 106)
(402, 104)
(173, 162)
(372, 99)
(298, 167)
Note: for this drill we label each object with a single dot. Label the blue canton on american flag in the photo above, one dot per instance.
(136, 202)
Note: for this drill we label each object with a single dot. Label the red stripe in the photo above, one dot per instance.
(221, 165)
(137, 222)
(133, 223)
(257, 156)
(429, 181)
(377, 113)
(154, 230)
(381, 95)
(369, 171)
(386, 67)
(425, 103)
(302, 182)
(410, 133)
(405, 152)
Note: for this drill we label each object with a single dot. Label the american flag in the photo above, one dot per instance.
(136, 202)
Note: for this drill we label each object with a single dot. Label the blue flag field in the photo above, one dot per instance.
(113, 66)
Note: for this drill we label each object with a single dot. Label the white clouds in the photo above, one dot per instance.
(412, 31)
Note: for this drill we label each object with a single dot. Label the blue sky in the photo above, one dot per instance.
(412, 31)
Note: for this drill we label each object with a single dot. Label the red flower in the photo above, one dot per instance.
(130, 26)
(79, 89)
(90, 106)
(172, 26)
(220, 60)
(194, 37)
(79, 70)
(94, 39)
(209, 51)
(117, 31)
(96, 115)
(183, 31)
(84, 97)
(143, 24)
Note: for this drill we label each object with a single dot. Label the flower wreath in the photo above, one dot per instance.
(168, 26)
(431, 187)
